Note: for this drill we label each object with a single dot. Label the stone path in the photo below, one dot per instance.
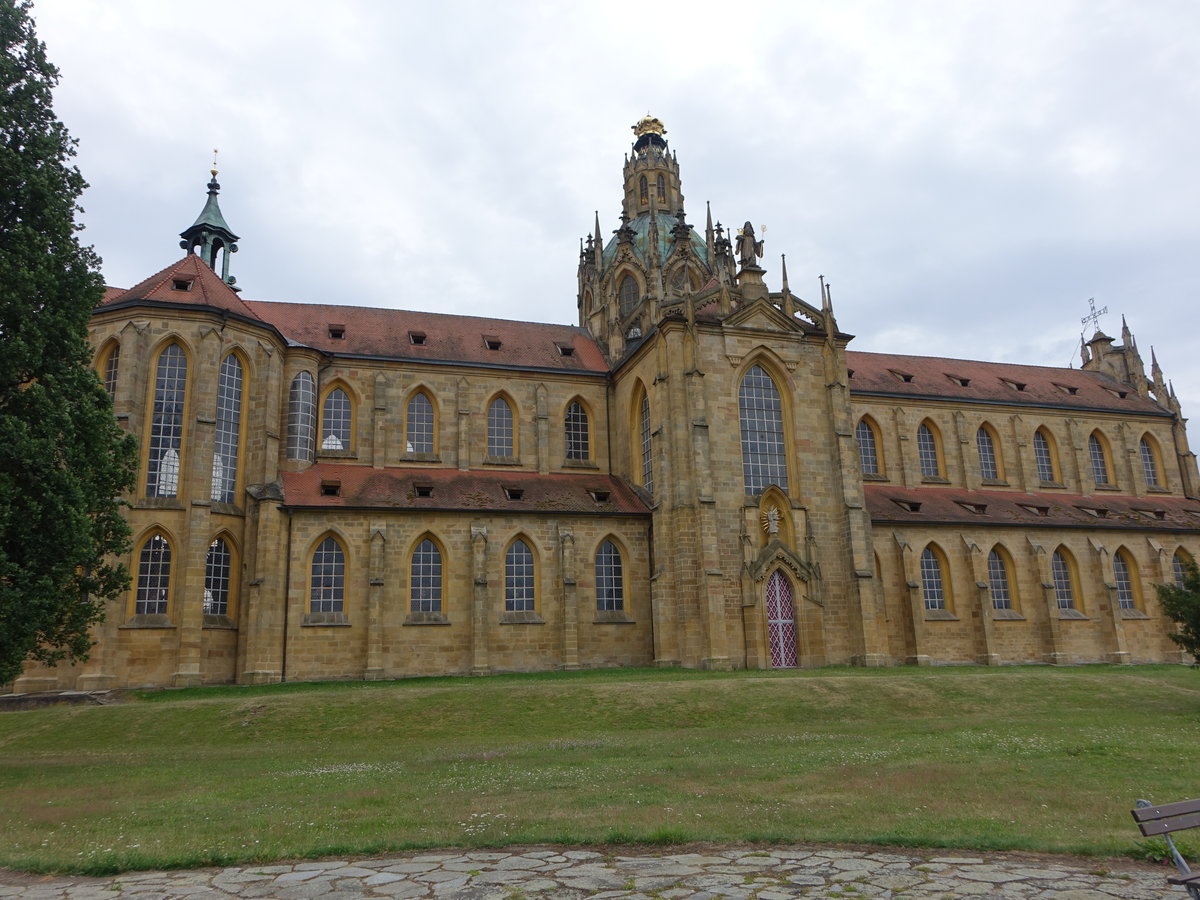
(777, 873)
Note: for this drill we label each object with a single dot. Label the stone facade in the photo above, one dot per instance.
(701, 474)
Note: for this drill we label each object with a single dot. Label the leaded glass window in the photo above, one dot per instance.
(1178, 568)
(519, 593)
(218, 567)
(111, 366)
(418, 425)
(1098, 458)
(761, 414)
(154, 577)
(425, 578)
(336, 417)
(932, 586)
(327, 590)
(1149, 463)
(647, 447)
(166, 426)
(987, 454)
(227, 433)
(578, 441)
(927, 452)
(1043, 457)
(500, 428)
(1064, 587)
(868, 455)
(302, 418)
(998, 581)
(610, 578)
(628, 294)
(1126, 596)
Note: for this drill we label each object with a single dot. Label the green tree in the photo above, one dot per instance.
(64, 461)
(1181, 603)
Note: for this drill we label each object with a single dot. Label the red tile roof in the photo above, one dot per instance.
(388, 333)
(959, 507)
(205, 288)
(362, 487)
(933, 377)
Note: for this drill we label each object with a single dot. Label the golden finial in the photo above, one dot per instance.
(649, 123)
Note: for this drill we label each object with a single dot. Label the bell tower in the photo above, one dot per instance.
(651, 173)
(209, 236)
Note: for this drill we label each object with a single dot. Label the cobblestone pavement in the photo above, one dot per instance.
(778, 873)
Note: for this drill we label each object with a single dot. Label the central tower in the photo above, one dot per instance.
(654, 260)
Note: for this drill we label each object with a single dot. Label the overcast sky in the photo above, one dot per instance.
(966, 175)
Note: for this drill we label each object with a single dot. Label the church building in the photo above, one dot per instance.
(699, 474)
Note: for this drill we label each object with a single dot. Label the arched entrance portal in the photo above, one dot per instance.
(781, 621)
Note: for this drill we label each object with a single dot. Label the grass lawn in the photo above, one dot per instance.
(1013, 758)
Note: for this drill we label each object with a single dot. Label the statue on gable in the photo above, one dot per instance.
(748, 249)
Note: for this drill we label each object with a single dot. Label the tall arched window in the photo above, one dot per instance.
(327, 587)
(227, 434)
(425, 578)
(166, 426)
(933, 585)
(336, 417)
(643, 190)
(1179, 563)
(628, 294)
(1100, 470)
(868, 447)
(610, 578)
(418, 424)
(661, 185)
(647, 445)
(1044, 457)
(519, 578)
(1149, 462)
(1124, 575)
(577, 432)
(154, 577)
(929, 453)
(302, 418)
(1064, 580)
(998, 580)
(761, 413)
(989, 464)
(218, 567)
(500, 435)
(110, 365)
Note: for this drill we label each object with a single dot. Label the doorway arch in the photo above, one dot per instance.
(781, 621)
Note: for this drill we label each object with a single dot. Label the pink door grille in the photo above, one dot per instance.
(781, 622)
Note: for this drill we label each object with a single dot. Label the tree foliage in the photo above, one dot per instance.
(64, 461)
(1181, 603)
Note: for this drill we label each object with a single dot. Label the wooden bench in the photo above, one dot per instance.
(1162, 820)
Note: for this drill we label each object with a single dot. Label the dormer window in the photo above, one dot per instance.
(337, 332)
(514, 493)
(1098, 511)
(906, 377)
(417, 338)
(1067, 388)
(331, 489)
(959, 380)
(422, 490)
(1036, 510)
(908, 505)
(598, 496)
(181, 284)
(1120, 395)
(565, 349)
(978, 508)
(491, 342)
(1015, 385)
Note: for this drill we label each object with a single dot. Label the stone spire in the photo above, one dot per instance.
(210, 237)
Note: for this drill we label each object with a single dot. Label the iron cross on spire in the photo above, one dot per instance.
(1095, 314)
